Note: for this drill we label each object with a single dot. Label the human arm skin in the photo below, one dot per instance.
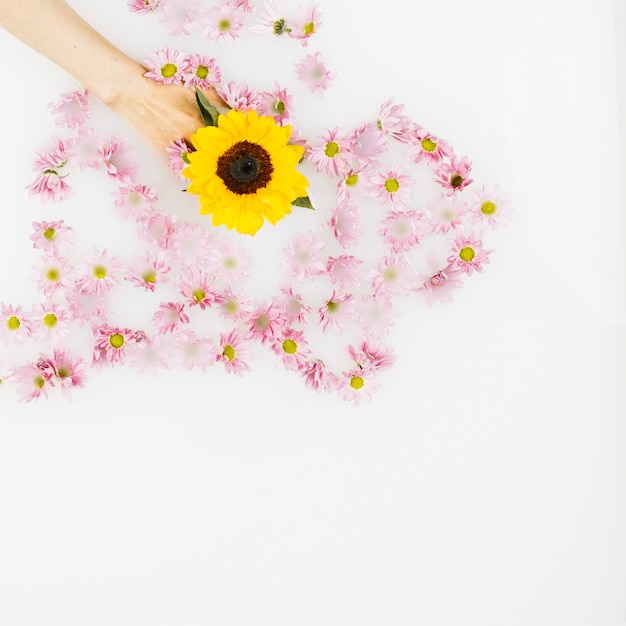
(161, 113)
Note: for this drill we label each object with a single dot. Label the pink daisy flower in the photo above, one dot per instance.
(491, 205)
(292, 305)
(32, 383)
(178, 156)
(454, 175)
(439, 283)
(165, 66)
(151, 355)
(6, 372)
(401, 230)
(195, 286)
(134, 200)
(239, 96)
(157, 229)
(222, 23)
(53, 238)
(229, 262)
(468, 254)
(233, 306)
(302, 259)
(428, 148)
(446, 214)
(244, 6)
(305, 23)
(277, 104)
(201, 70)
(191, 243)
(148, 271)
(391, 186)
(313, 72)
(345, 271)
(179, 17)
(233, 352)
(337, 312)
(169, 317)
(56, 157)
(393, 122)
(368, 143)
(331, 154)
(97, 274)
(84, 149)
(265, 321)
(272, 22)
(50, 186)
(292, 348)
(370, 354)
(357, 385)
(375, 313)
(317, 376)
(142, 6)
(72, 109)
(53, 275)
(393, 275)
(119, 160)
(110, 343)
(15, 324)
(353, 183)
(86, 307)
(69, 371)
(50, 321)
(191, 351)
(344, 223)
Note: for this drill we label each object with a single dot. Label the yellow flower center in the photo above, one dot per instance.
(116, 340)
(149, 277)
(39, 381)
(467, 254)
(50, 320)
(392, 185)
(63, 372)
(223, 25)
(332, 307)
(332, 149)
(229, 263)
(53, 274)
(198, 295)
(100, 272)
(262, 322)
(488, 208)
(352, 179)
(309, 28)
(13, 323)
(168, 70)
(202, 72)
(456, 180)
(229, 352)
(428, 145)
(390, 274)
(356, 382)
(231, 307)
(49, 234)
(290, 346)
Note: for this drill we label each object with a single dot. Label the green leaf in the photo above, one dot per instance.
(304, 201)
(207, 110)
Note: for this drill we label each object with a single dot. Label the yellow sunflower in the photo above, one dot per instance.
(244, 171)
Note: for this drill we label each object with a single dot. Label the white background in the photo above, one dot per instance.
(484, 485)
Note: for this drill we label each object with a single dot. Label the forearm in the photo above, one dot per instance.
(53, 28)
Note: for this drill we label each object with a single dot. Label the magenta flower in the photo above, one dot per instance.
(331, 154)
(72, 109)
(53, 238)
(454, 175)
(313, 72)
(169, 317)
(201, 70)
(165, 66)
(468, 254)
(233, 352)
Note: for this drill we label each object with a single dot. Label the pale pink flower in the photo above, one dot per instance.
(368, 143)
(371, 354)
(305, 23)
(151, 354)
(196, 287)
(6, 372)
(110, 343)
(234, 306)
(317, 376)
(393, 122)
(84, 149)
(272, 21)
(50, 321)
(32, 383)
(50, 186)
(15, 324)
(357, 384)
(439, 283)
(344, 223)
(265, 321)
(393, 275)
(353, 183)
(331, 154)
(337, 312)
(71, 109)
(292, 305)
(375, 313)
(118, 159)
(391, 186)
(313, 72)
(244, 6)
(179, 17)
(428, 148)
(191, 351)
(142, 6)
(238, 96)
(134, 200)
(149, 271)
(401, 230)
(191, 243)
(165, 66)
(201, 70)
(491, 205)
(233, 352)
(345, 271)
(468, 254)
(277, 104)
(169, 317)
(53, 275)
(229, 262)
(55, 158)
(454, 175)
(446, 213)
(157, 229)
(302, 259)
(67, 370)
(292, 348)
(97, 274)
(222, 23)
(178, 156)
(52, 237)
(86, 307)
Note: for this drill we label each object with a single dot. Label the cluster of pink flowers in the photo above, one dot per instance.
(382, 240)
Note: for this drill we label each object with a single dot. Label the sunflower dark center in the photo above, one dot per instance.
(245, 167)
